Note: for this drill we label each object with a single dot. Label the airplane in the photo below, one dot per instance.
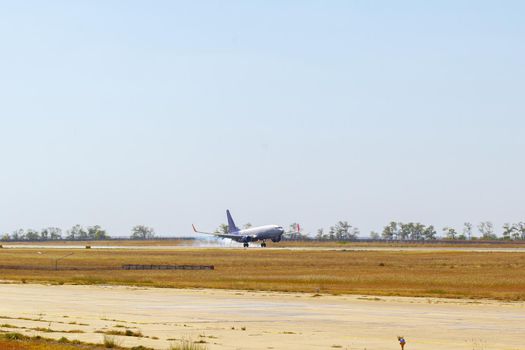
(252, 234)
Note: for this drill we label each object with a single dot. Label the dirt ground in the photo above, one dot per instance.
(259, 320)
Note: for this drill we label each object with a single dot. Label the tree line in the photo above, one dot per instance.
(418, 231)
(341, 231)
(485, 231)
(75, 233)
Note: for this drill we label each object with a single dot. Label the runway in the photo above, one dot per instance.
(262, 320)
(239, 247)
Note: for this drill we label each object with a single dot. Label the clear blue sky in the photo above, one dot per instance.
(166, 113)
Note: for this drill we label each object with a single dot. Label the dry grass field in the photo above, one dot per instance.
(37, 345)
(495, 275)
(16, 341)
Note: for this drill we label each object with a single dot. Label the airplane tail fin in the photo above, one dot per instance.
(231, 224)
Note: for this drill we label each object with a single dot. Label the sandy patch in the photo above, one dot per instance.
(262, 320)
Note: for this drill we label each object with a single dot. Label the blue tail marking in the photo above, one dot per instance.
(231, 225)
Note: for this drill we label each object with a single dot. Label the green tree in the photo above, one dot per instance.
(320, 234)
(413, 231)
(429, 233)
(76, 232)
(50, 233)
(450, 233)
(391, 231)
(32, 235)
(142, 232)
(486, 228)
(222, 229)
(331, 233)
(344, 231)
(247, 225)
(97, 233)
(18, 235)
(44, 234)
(418, 231)
(375, 235)
(520, 230)
(405, 230)
(508, 231)
(467, 230)
(55, 233)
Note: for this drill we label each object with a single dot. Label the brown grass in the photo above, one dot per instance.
(17, 341)
(496, 275)
(32, 345)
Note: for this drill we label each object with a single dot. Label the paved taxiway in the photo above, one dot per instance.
(271, 320)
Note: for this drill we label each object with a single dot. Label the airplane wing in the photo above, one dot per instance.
(221, 235)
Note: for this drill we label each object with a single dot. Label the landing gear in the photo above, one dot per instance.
(245, 245)
(263, 245)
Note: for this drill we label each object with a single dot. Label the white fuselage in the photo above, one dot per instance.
(259, 233)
